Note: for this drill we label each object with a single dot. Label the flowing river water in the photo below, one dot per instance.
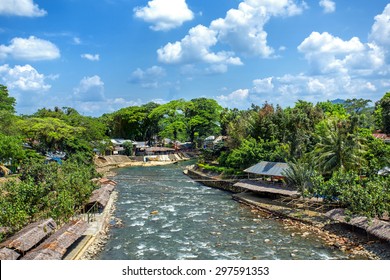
(168, 216)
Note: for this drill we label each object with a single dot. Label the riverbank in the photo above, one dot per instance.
(356, 243)
(96, 235)
(105, 164)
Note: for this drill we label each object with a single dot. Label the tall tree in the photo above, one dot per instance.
(203, 117)
(50, 133)
(7, 102)
(339, 146)
(384, 108)
(171, 120)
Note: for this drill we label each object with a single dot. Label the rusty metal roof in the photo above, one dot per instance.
(268, 168)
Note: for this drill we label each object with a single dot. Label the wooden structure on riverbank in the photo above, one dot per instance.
(100, 197)
(375, 227)
(272, 170)
(30, 236)
(266, 188)
(55, 247)
(8, 254)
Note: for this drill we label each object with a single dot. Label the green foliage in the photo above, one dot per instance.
(299, 175)
(338, 146)
(50, 133)
(203, 118)
(368, 197)
(332, 189)
(128, 146)
(7, 103)
(95, 127)
(332, 109)
(46, 190)
(219, 169)
(11, 149)
(356, 106)
(252, 151)
(384, 105)
(377, 153)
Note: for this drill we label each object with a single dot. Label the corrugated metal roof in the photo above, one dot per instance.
(268, 168)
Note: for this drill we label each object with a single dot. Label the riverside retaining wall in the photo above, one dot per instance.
(227, 185)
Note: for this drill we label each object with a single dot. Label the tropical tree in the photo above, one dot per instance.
(202, 118)
(50, 133)
(171, 120)
(339, 146)
(383, 110)
(299, 175)
(7, 102)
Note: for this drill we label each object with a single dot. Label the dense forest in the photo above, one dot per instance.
(329, 147)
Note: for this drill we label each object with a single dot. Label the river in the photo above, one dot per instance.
(168, 216)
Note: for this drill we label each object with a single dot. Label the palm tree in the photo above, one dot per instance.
(338, 147)
(299, 175)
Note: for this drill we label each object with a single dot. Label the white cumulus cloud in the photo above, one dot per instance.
(32, 49)
(165, 14)
(242, 30)
(236, 98)
(263, 85)
(25, 8)
(330, 54)
(329, 6)
(90, 89)
(338, 68)
(148, 78)
(195, 47)
(24, 78)
(380, 31)
(91, 57)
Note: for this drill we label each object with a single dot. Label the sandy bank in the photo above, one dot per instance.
(105, 164)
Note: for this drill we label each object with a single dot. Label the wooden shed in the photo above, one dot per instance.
(376, 227)
(104, 181)
(99, 197)
(30, 236)
(55, 247)
(8, 254)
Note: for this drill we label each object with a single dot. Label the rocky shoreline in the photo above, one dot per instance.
(356, 243)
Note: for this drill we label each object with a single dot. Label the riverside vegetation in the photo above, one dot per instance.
(329, 146)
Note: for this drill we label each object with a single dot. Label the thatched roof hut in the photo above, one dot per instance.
(100, 197)
(110, 188)
(43, 254)
(376, 227)
(30, 236)
(55, 247)
(8, 254)
(104, 181)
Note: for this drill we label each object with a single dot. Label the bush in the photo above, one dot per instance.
(46, 190)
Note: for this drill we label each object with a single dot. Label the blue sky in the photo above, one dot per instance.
(99, 56)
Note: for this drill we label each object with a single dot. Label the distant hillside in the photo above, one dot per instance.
(338, 101)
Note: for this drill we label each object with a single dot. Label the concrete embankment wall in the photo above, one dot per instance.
(214, 183)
